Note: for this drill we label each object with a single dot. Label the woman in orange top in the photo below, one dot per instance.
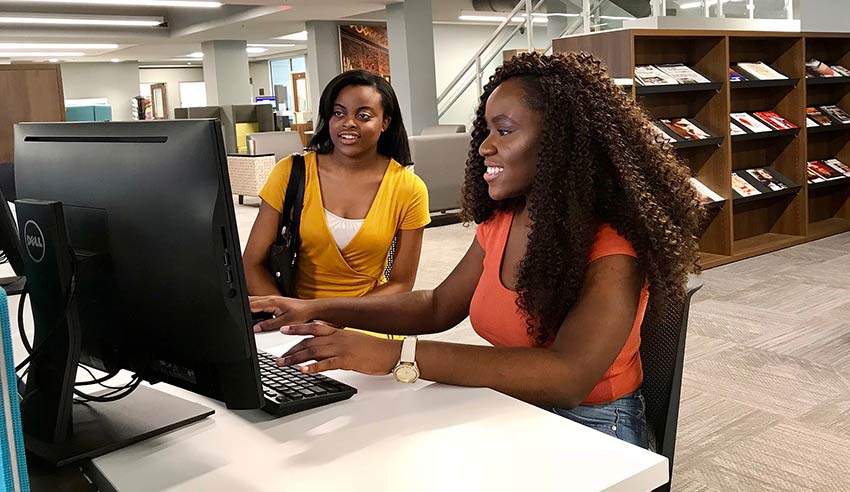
(584, 215)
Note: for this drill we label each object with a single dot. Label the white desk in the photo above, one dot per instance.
(388, 437)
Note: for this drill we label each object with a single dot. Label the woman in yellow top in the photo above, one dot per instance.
(358, 196)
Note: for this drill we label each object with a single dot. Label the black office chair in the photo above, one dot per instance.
(662, 354)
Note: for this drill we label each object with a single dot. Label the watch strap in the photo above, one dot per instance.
(408, 350)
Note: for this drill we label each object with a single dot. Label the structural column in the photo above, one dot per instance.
(411, 36)
(226, 73)
(323, 60)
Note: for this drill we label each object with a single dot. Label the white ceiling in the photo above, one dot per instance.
(255, 21)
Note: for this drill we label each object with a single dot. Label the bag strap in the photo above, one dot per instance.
(293, 202)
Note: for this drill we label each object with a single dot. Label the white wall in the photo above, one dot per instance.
(824, 15)
(260, 77)
(454, 45)
(172, 78)
(117, 82)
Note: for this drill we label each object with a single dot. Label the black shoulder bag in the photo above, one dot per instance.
(283, 254)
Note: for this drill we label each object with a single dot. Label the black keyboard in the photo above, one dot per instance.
(287, 390)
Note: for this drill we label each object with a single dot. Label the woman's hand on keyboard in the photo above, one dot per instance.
(333, 348)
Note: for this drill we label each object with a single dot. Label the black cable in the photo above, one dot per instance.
(24, 339)
(37, 349)
(96, 380)
(110, 396)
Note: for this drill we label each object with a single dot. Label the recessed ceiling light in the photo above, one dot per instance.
(56, 46)
(296, 36)
(54, 60)
(132, 3)
(255, 50)
(270, 45)
(79, 20)
(476, 16)
(115, 60)
(196, 54)
(39, 54)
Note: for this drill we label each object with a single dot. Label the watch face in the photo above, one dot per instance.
(406, 373)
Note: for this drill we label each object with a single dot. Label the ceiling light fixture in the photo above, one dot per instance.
(270, 45)
(617, 17)
(697, 5)
(475, 16)
(39, 54)
(115, 60)
(255, 50)
(79, 20)
(132, 3)
(54, 60)
(56, 46)
(196, 54)
(296, 36)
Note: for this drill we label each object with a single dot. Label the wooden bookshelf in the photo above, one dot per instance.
(744, 228)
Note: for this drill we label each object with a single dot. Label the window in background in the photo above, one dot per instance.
(91, 101)
(193, 94)
(282, 74)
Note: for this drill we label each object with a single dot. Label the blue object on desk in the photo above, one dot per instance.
(13, 464)
(99, 112)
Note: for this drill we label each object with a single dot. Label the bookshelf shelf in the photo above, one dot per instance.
(705, 142)
(762, 84)
(827, 80)
(764, 135)
(742, 227)
(835, 127)
(669, 89)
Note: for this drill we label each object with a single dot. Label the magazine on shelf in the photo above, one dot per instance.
(838, 166)
(683, 73)
(840, 70)
(836, 113)
(750, 123)
(736, 130)
(663, 134)
(764, 177)
(817, 68)
(650, 75)
(824, 170)
(816, 115)
(759, 71)
(742, 187)
(810, 122)
(774, 120)
(735, 76)
(686, 129)
(706, 194)
(812, 175)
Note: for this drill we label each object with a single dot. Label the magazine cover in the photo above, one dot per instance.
(764, 177)
(649, 75)
(683, 73)
(812, 175)
(810, 122)
(824, 170)
(759, 70)
(818, 68)
(736, 130)
(664, 135)
(741, 187)
(836, 113)
(774, 120)
(685, 128)
(843, 72)
(751, 123)
(838, 166)
(735, 76)
(706, 194)
(817, 116)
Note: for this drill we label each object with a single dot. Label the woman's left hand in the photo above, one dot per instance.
(333, 348)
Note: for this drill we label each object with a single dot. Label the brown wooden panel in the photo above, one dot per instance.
(30, 93)
(826, 203)
(613, 48)
(771, 215)
(830, 50)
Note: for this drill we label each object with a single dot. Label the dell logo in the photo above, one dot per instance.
(34, 241)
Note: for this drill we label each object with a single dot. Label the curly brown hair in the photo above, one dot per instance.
(599, 161)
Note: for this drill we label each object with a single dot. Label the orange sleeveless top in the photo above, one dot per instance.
(496, 318)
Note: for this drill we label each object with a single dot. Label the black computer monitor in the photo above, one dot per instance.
(160, 289)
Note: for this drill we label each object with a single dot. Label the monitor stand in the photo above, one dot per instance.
(100, 428)
(13, 285)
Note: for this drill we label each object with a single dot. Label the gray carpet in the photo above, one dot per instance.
(766, 390)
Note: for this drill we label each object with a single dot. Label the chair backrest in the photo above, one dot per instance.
(440, 161)
(281, 144)
(441, 129)
(662, 354)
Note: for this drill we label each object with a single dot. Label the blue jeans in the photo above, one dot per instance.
(624, 419)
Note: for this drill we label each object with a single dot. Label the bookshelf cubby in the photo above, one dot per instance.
(739, 227)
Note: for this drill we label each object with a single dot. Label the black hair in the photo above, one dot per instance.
(393, 140)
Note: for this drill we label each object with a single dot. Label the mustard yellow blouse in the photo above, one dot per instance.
(323, 269)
